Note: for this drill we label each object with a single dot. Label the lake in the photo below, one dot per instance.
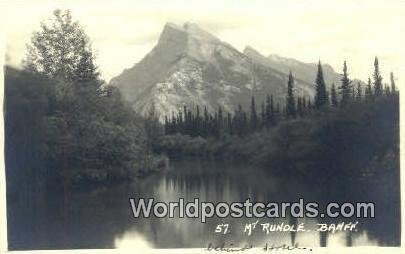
(102, 218)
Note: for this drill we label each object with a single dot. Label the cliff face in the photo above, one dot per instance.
(189, 66)
(301, 70)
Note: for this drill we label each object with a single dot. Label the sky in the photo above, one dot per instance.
(123, 32)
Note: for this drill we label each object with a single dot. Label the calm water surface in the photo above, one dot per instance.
(102, 217)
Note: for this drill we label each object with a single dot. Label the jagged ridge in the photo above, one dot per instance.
(189, 66)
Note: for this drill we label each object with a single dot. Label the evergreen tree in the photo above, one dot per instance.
(378, 86)
(353, 93)
(263, 115)
(239, 121)
(173, 124)
(345, 88)
(244, 124)
(190, 122)
(334, 99)
(359, 92)
(321, 95)
(277, 112)
(229, 123)
(215, 129)
(290, 106)
(387, 90)
(253, 115)
(220, 121)
(185, 120)
(393, 87)
(300, 108)
(205, 122)
(167, 125)
(309, 106)
(197, 122)
(369, 92)
(268, 111)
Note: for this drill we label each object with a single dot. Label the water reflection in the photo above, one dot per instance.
(102, 218)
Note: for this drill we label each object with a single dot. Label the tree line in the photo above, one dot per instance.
(197, 122)
(62, 122)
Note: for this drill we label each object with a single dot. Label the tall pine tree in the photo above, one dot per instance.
(345, 88)
(378, 85)
(290, 102)
(263, 115)
(300, 107)
(368, 94)
(334, 99)
(253, 115)
(269, 111)
(393, 87)
(320, 88)
(387, 90)
(359, 92)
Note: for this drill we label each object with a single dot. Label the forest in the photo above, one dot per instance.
(63, 124)
(194, 123)
(341, 144)
(190, 132)
(76, 150)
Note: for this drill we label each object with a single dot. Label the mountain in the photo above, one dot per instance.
(189, 66)
(301, 70)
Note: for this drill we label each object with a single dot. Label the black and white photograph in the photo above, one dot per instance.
(206, 126)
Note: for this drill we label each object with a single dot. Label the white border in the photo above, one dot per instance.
(321, 250)
(3, 210)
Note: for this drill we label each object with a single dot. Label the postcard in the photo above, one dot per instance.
(202, 126)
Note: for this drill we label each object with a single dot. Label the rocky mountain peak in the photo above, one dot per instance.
(188, 31)
(250, 51)
(172, 33)
(195, 31)
(191, 67)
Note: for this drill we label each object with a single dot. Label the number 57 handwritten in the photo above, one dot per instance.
(222, 228)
